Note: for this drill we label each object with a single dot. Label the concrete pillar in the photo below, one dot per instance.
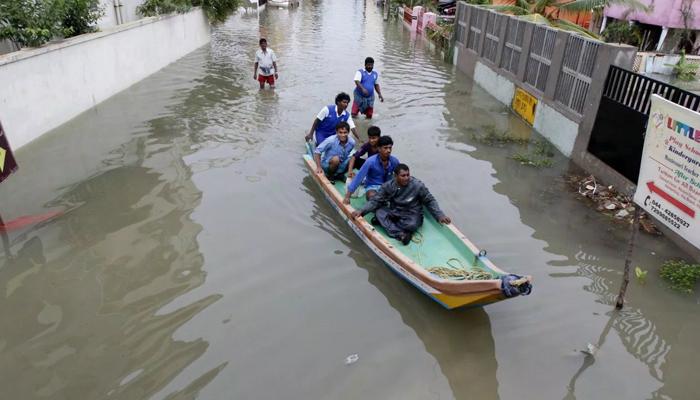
(417, 11)
(664, 32)
(556, 63)
(525, 52)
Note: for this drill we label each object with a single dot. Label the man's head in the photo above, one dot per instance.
(369, 64)
(373, 134)
(385, 144)
(263, 44)
(342, 100)
(402, 174)
(342, 130)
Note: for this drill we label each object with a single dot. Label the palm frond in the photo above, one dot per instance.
(540, 6)
(588, 5)
(523, 4)
(515, 10)
(536, 18)
(571, 27)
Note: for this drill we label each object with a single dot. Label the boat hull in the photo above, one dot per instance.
(490, 290)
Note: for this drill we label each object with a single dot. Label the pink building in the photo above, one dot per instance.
(665, 16)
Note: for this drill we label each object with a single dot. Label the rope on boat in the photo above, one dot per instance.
(459, 272)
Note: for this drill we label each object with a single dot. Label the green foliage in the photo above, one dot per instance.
(216, 10)
(493, 137)
(151, 8)
(30, 22)
(683, 69)
(540, 156)
(681, 275)
(35, 22)
(640, 274)
(622, 32)
(547, 11)
(80, 16)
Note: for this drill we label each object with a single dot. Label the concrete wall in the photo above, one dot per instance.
(45, 87)
(565, 113)
(125, 8)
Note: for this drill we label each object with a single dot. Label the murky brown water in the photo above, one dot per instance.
(199, 261)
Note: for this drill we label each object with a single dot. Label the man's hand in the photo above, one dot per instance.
(351, 174)
(309, 136)
(354, 214)
(346, 199)
(255, 75)
(445, 219)
(277, 77)
(365, 92)
(381, 98)
(319, 170)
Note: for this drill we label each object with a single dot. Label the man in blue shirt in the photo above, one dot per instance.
(375, 171)
(333, 154)
(366, 83)
(329, 116)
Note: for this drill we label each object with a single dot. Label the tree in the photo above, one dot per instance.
(548, 11)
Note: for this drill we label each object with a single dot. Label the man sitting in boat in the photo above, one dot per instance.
(366, 83)
(333, 154)
(375, 171)
(329, 116)
(398, 206)
(370, 148)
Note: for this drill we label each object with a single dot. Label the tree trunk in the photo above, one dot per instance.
(628, 258)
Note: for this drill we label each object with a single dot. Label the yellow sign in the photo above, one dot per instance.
(524, 104)
(2, 159)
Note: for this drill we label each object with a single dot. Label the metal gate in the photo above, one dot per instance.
(618, 133)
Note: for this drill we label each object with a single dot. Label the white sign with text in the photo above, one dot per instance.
(669, 177)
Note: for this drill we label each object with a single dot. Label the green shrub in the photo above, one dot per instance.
(681, 275)
(30, 22)
(80, 16)
(683, 69)
(35, 22)
(622, 32)
(151, 8)
(216, 10)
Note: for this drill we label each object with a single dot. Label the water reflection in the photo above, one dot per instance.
(107, 339)
(585, 258)
(460, 340)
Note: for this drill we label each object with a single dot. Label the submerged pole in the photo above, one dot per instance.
(628, 258)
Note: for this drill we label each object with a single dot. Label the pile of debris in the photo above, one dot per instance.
(610, 202)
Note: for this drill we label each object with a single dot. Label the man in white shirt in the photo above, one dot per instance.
(265, 65)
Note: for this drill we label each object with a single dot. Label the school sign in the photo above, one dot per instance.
(8, 165)
(669, 177)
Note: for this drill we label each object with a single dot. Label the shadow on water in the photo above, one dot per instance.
(460, 340)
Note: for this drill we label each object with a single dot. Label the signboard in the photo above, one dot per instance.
(8, 165)
(669, 177)
(524, 104)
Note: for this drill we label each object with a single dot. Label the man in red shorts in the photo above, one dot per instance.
(265, 65)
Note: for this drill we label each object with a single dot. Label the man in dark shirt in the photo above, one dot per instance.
(370, 148)
(398, 205)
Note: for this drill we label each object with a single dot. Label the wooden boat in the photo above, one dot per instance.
(434, 245)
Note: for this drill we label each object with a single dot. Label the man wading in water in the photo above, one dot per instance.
(265, 65)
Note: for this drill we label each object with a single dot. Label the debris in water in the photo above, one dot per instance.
(590, 350)
(610, 202)
(351, 359)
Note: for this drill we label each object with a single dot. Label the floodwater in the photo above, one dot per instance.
(197, 259)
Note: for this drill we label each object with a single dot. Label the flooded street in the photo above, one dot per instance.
(199, 260)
